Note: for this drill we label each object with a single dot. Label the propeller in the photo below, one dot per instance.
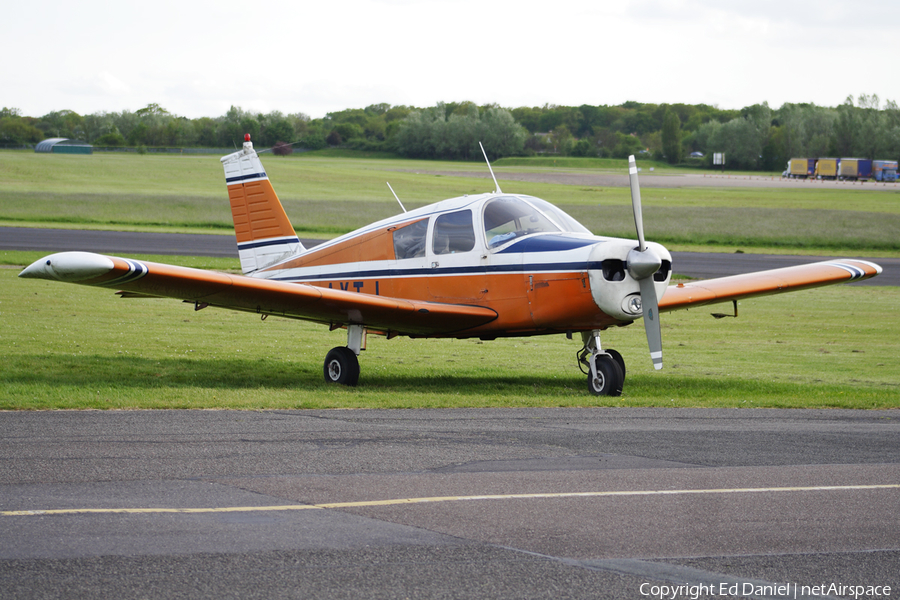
(642, 264)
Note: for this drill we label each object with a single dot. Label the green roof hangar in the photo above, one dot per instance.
(64, 146)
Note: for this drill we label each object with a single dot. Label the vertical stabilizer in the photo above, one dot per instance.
(264, 233)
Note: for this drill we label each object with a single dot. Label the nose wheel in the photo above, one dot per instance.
(606, 378)
(605, 369)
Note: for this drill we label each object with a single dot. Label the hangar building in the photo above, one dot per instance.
(64, 146)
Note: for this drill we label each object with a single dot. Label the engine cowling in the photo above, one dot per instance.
(613, 288)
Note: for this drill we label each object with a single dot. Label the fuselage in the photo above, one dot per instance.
(536, 266)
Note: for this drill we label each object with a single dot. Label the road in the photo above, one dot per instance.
(469, 503)
(691, 264)
(653, 180)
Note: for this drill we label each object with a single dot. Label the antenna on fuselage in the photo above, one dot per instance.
(396, 196)
(497, 185)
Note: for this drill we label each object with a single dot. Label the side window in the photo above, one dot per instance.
(454, 233)
(409, 241)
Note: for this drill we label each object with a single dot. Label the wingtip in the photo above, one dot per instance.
(876, 266)
(68, 267)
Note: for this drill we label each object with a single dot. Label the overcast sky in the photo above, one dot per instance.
(197, 58)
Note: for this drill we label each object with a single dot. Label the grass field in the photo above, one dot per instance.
(69, 346)
(187, 194)
(72, 347)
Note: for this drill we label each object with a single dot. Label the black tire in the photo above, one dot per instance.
(341, 366)
(619, 361)
(609, 377)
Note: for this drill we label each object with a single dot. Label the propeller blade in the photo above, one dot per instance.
(636, 202)
(642, 264)
(650, 308)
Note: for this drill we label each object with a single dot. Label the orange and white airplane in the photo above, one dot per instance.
(482, 266)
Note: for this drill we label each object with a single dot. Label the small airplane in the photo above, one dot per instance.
(481, 266)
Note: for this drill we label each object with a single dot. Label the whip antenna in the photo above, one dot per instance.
(497, 185)
(396, 196)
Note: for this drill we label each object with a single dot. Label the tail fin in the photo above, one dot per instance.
(264, 232)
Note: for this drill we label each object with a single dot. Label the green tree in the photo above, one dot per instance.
(276, 128)
(429, 133)
(528, 117)
(846, 128)
(705, 136)
(626, 145)
(15, 130)
(96, 125)
(671, 137)
(562, 140)
(376, 128)
(377, 109)
(205, 131)
(138, 135)
(231, 130)
(501, 134)
(113, 138)
(348, 130)
(739, 140)
(583, 147)
(62, 123)
(397, 113)
(313, 141)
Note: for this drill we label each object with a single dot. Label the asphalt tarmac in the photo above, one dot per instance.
(691, 264)
(476, 503)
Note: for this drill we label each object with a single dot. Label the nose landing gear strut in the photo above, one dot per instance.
(605, 369)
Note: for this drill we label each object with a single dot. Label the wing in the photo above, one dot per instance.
(763, 283)
(294, 300)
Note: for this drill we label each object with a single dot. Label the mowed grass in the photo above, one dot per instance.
(326, 197)
(74, 347)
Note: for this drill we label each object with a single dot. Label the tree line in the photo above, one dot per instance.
(755, 137)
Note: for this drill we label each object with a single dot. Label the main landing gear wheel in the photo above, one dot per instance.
(342, 366)
(609, 379)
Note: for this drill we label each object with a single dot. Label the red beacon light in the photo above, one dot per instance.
(246, 137)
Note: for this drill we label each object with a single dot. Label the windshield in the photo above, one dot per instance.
(563, 219)
(509, 217)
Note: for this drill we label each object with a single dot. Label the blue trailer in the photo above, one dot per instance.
(885, 170)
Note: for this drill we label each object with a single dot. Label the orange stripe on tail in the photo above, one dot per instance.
(264, 233)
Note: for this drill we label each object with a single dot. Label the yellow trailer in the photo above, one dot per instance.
(827, 168)
(800, 167)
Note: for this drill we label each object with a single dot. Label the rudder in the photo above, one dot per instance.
(264, 232)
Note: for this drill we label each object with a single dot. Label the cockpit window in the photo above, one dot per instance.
(409, 241)
(565, 222)
(454, 232)
(510, 217)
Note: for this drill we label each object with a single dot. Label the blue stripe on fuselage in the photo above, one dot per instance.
(546, 243)
(480, 270)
